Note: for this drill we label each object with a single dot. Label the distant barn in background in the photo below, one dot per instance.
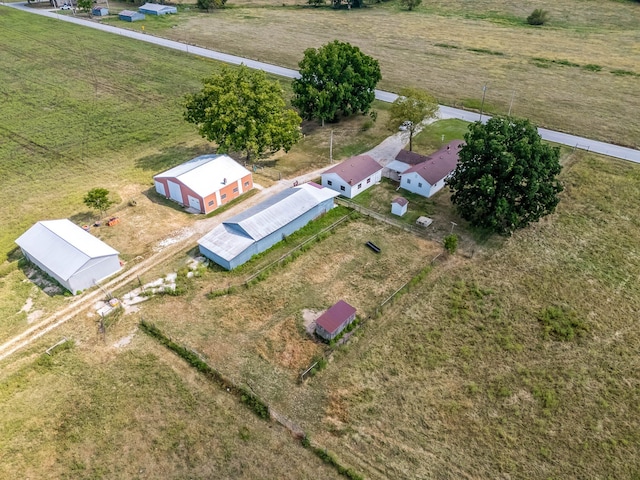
(157, 9)
(130, 16)
(99, 11)
(204, 183)
(333, 321)
(63, 250)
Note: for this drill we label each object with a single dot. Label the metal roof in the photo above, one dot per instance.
(398, 166)
(207, 174)
(62, 247)
(400, 201)
(236, 234)
(355, 169)
(335, 317)
(155, 7)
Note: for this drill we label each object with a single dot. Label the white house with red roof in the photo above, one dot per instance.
(429, 177)
(353, 176)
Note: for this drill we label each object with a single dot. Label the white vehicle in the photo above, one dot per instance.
(406, 126)
(66, 6)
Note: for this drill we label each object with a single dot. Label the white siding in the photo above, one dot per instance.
(413, 182)
(350, 191)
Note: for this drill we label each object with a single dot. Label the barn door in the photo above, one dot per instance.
(175, 193)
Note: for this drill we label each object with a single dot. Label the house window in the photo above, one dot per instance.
(223, 196)
(235, 190)
(329, 182)
(408, 180)
(419, 185)
(211, 202)
(246, 184)
(368, 180)
(359, 186)
(342, 188)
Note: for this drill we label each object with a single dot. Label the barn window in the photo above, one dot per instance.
(224, 195)
(419, 185)
(211, 202)
(408, 180)
(246, 184)
(342, 188)
(235, 190)
(359, 186)
(329, 182)
(368, 180)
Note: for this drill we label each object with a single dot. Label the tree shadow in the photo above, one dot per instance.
(84, 218)
(172, 156)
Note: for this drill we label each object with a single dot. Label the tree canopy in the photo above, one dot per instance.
(506, 176)
(413, 106)
(98, 199)
(336, 79)
(243, 111)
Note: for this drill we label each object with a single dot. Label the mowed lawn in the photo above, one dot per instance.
(578, 74)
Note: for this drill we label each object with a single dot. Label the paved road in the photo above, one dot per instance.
(445, 112)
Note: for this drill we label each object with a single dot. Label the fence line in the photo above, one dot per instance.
(291, 252)
(383, 218)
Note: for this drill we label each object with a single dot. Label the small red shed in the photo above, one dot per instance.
(334, 320)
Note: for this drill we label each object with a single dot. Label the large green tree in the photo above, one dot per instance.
(243, 111)
(413, 106)
(336, 79)
(506, 177)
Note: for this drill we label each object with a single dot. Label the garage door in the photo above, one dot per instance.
(174, 191)
(194, 203)
(160, 188)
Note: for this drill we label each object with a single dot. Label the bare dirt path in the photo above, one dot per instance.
(164, 249)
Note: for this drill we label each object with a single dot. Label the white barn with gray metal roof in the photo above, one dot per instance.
(63, 250)
(255, 230)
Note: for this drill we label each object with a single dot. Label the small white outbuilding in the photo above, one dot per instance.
(63, 250)
(399, 206)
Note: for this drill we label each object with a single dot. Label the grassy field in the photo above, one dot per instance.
(520, 362)
(461, 377)
(577, 74)
(112, 109)
(135, 411)
(107, 113)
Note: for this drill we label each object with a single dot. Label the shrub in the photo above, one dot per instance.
(451, 243)
(562, 323)
(538, 17)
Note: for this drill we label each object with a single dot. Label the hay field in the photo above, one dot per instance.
(130, 409)
(559, 75)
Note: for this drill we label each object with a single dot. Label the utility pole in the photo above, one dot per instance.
(484, 91)
(331, 147)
